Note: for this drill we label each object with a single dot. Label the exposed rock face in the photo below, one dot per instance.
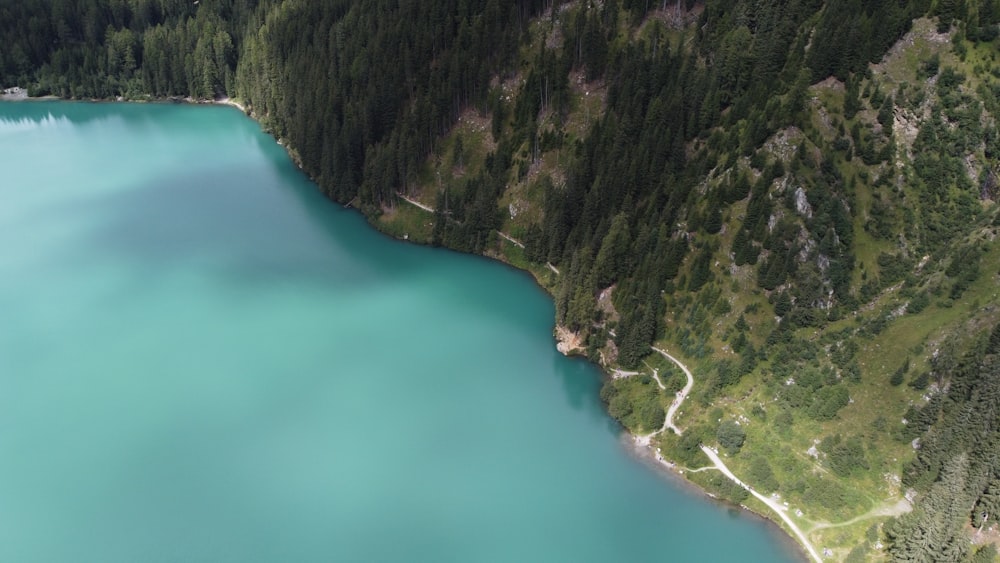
(567, 341)
(802, 204)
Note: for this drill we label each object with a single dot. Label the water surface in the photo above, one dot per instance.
(202, 359)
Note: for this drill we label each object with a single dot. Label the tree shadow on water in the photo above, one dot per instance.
(229, 222)
(582, 382)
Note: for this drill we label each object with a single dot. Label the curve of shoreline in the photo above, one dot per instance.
(20, 94)
(645, 440)
(771, 503)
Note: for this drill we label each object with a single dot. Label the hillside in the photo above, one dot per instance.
(796, 198)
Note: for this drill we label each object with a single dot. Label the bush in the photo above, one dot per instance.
(845, 457)
(825, 492)
(634, 402)
(827, 402)
(783, 422)
(900, 374)
(761, 475)
(731, 436)
(858, 555)
(921, 381)
(728, 489)
(918, 303)
(650, 415)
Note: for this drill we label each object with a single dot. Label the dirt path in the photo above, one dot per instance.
(513, 241)
(415, 202)
(502, 234)
(771, 503)
(716, 460)
(659, 383)
(681, 395)
(897, 509)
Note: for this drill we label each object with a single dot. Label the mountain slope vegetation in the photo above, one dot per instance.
(798, 197)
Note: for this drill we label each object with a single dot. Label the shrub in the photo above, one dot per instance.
(731, 436)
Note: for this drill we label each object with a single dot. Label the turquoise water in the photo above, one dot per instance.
(202, 359)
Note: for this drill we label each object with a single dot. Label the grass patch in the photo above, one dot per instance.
(407, 222)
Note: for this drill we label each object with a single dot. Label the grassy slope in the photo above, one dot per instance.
(806, 482)
(877, 408)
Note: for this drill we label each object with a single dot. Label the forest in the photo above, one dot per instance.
(753, 186)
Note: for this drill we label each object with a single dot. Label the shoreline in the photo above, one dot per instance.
(673, 474)
(795, 533)
(21, 95)
(641, 448)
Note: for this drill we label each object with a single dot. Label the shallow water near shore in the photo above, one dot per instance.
(203, 359)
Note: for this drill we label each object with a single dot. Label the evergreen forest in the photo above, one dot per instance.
(797, 197)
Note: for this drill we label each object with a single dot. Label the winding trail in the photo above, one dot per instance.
(412, 201)
(668, 422)
(502, 234)
(771, 503)
(511, 239)
(901, 506)
(681, 395)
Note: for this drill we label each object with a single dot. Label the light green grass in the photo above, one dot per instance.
(408, 222)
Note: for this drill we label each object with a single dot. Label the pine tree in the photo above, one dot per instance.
(852, 101)
(713, 223)
(885, 114)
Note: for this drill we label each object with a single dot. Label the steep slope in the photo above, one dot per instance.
(811, 271)
(797, 198)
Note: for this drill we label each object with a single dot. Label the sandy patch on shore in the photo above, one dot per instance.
(567, 341)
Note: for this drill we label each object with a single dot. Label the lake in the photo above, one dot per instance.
(203, 359)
